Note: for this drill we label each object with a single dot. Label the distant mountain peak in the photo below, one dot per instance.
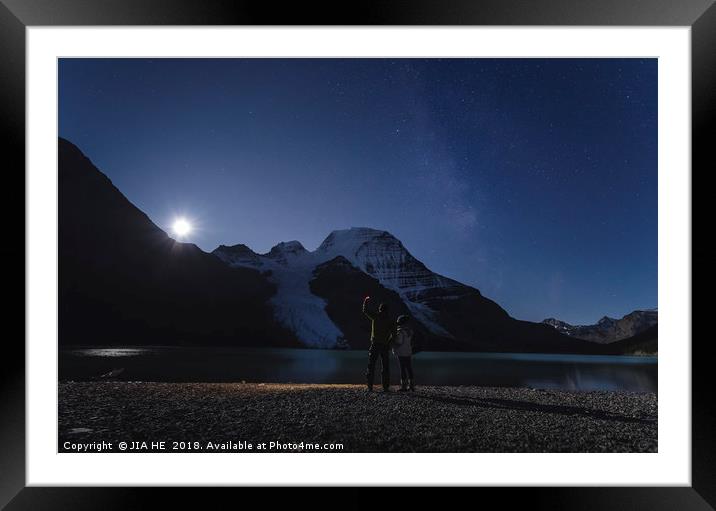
(350, 240)
(608, 330)
(556, 323)
(239, 247)
(286, 252)
(238, 255)
(358, 231)
(287, 247)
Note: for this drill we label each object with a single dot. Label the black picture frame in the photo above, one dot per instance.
(17, 15)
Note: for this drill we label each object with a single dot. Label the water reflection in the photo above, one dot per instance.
(572, 372)
(112, 352)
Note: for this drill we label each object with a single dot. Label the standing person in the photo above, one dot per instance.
(381, 334)
(403, 349)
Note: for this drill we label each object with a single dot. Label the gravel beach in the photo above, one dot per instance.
(227, 417)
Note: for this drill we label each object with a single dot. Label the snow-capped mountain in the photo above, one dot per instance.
(290, 267)
(383, 256)
(608, 330)
(319, 294)
(376, 253)
(122, 279)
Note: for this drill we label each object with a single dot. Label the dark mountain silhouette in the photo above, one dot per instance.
(343, 287)
(473, 322)
(353, 263)
(645, 342)
(122, 280)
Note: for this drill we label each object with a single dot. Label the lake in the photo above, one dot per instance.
(219, 364)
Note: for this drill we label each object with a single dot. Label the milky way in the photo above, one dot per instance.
(534, 180)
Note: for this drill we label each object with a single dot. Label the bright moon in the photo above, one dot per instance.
(181, 227)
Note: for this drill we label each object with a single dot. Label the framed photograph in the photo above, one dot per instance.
(423, 245)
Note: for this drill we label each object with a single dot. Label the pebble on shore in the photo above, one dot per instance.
(432, 419)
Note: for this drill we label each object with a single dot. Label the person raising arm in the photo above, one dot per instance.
(381, 334)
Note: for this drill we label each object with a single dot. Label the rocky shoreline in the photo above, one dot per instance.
(236, 417)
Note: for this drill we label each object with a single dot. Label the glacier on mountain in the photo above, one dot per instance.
(377, 253)
(290, 267)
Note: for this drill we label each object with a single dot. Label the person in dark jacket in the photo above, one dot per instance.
(381, 334)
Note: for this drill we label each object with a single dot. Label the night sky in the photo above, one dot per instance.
(534, 180)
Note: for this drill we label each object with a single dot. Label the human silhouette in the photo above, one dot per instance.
(381, 334)
(403, 349)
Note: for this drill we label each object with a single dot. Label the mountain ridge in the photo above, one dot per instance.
(609, 330)
(124, 281)
(363, 260)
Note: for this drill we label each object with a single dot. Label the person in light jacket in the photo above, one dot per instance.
(403, 349)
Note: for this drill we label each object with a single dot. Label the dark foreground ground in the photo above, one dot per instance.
(436, 419)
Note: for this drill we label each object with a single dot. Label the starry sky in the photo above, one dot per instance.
(534, 180)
